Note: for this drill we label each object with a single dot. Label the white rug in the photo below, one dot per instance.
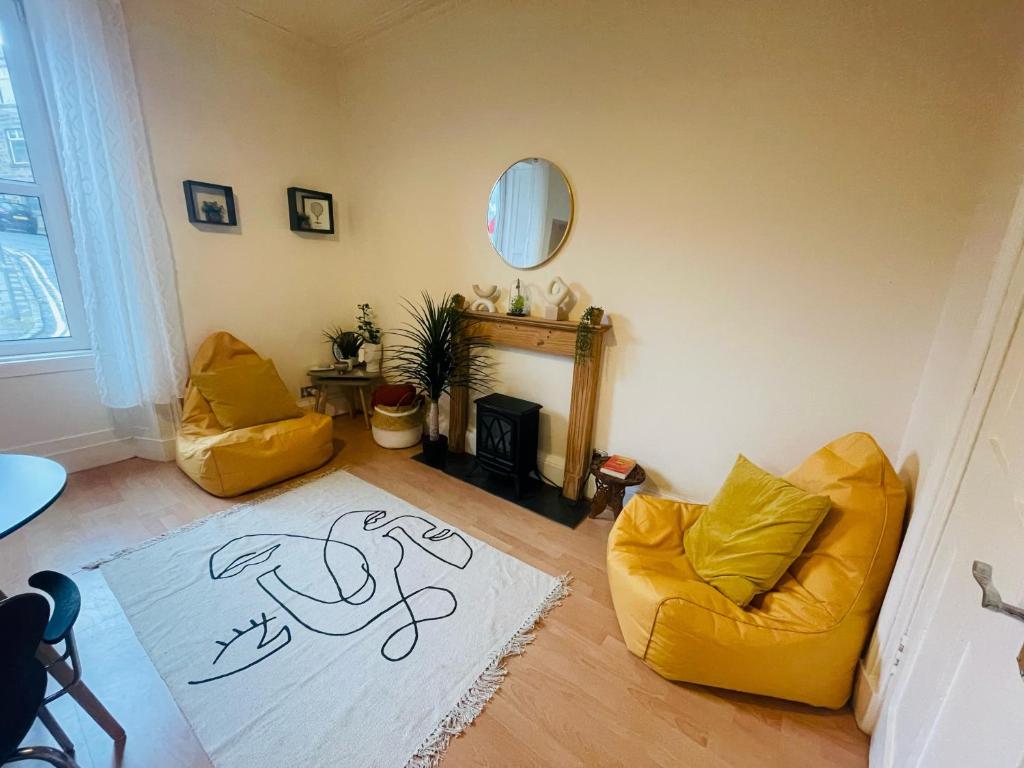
(330, 625)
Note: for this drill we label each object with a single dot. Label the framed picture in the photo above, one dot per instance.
(210, 203)
(310, 211)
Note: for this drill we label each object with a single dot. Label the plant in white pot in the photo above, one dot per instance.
(439, 351)
(372, 350)
(344, 344)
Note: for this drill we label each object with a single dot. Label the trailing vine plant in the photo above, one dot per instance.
(589, 320)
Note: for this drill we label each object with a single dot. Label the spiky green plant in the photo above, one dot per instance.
(344, 344)
(438, 351)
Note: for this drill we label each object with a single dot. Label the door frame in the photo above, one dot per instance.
(998, 321)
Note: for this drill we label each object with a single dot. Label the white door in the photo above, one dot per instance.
(959, 699)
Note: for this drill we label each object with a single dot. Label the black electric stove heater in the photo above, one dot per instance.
(506, 460)
(506, 437)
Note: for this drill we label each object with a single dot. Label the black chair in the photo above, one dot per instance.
(67, 603)
(23, 625)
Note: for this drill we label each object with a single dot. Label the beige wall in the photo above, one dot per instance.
(230, 99)
(770, 199)
(52, 412)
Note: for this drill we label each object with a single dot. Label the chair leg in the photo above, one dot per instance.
(80, 692)
(46, 754)
(56, 731)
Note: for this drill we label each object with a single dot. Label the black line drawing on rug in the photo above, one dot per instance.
(284, 634)
(355, 587)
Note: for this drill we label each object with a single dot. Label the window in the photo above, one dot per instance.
(40, 294)
(16, 144)
(6, 92)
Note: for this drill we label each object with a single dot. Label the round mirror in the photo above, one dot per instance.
(529, 212)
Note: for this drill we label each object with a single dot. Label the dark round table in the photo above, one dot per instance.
(611, 490)
(28, 485)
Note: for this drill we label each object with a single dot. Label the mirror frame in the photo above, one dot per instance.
(572, 213)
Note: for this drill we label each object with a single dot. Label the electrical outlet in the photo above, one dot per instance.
(307, 391)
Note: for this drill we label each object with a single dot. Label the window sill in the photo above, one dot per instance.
(34, 365)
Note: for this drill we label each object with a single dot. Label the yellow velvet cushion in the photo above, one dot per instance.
(752, 531)
(246, 395)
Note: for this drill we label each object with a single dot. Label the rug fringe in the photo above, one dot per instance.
(486, 685)
(267, 496)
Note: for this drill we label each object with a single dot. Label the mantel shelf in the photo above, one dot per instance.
(537, 322)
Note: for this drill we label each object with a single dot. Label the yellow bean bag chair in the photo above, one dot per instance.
(230, 462)
(799, 641)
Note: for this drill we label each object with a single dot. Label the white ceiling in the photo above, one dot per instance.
(336, 23)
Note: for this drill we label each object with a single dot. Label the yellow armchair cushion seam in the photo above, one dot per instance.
(733, 619)
(216, 466)
(878, 547)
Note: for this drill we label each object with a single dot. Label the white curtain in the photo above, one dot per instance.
(121, 240)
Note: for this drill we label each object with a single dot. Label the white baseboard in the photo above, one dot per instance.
(154, 449)
(94, 449)
(84, 451)
(867, 704)
(551, 465)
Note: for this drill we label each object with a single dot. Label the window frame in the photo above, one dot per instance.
(47, 186)
(10, 145)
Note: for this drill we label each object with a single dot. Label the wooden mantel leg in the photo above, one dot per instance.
(458, 418)
(585, 377)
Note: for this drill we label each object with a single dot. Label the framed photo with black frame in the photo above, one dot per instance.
(310, 211)
(210, 203)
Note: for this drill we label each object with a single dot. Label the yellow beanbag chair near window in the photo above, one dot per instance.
(246, 395)
(800, 640)
(229, 462)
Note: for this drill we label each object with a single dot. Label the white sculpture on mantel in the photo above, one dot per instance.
(485, 298)
(557, 298)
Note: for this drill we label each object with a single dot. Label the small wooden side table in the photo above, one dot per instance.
(357, 379)
(611, 490)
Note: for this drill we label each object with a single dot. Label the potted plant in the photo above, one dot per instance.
(439, 351)
(589, 320)
(213, 211)
(517, 308)
(372, 350)
(344, 344)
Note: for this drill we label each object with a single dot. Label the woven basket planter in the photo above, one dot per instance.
(398, 426)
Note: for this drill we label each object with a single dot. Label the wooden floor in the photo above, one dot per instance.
(576, 698)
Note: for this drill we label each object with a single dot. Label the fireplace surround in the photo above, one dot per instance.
(554, 337)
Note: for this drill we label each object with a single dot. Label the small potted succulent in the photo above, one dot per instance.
(371, 350)
(344, 345)
(517, 307)
(589, 320)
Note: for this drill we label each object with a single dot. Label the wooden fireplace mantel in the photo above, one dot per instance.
(554, 337)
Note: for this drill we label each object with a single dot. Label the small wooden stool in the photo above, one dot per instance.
(611, 490)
